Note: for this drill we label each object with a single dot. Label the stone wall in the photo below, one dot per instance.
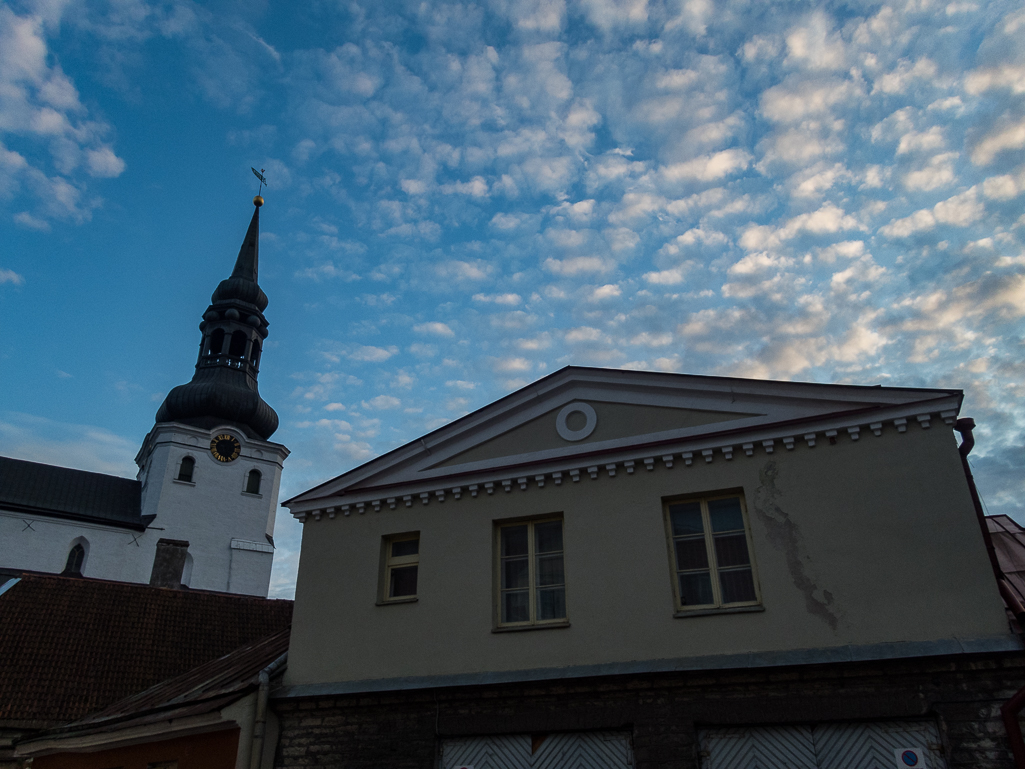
(403, 730)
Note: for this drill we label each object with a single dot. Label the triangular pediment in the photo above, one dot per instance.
(613, 422)
(584, 415)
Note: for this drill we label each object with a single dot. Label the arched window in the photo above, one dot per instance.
(186, 468)
(254, 354)
(253, 482)
(76, 558)
(216, 342)
(238, 345)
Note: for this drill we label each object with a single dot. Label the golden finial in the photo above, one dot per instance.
(258, 201)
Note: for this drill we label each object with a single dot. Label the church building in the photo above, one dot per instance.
(201, 510)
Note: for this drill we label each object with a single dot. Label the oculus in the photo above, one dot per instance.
(562, 421)
(225, 447)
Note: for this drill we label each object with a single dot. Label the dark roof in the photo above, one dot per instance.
(203, 689)
(71, 646)
(1009, 543)
(38, 489)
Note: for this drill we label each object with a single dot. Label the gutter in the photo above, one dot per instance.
(260, 722)
(1009, 710)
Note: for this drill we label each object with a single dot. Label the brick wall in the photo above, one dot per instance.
(402, 730)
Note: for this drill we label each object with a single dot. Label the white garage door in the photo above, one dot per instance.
(572, 750)
(821, 746)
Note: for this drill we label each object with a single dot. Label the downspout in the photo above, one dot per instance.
(1009, 710)
(260, 722)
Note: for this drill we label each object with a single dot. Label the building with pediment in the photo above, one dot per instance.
(611, 568)
(201, 511)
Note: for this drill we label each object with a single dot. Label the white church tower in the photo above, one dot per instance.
(201, 512)
(208, 471)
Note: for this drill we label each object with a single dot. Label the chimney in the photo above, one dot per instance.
(169, 563)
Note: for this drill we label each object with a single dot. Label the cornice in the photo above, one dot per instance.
(628, 459)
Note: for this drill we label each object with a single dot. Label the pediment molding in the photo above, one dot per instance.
(451, 460)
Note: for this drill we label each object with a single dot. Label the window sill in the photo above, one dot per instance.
(250, 494)
(411, 599)
(517, 628)
(183, 483)
(728, 610)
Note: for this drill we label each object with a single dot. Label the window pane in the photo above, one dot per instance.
(551, 603)
(691, 554)
(548, 537)
(731, 550)
(686, 518)
(696, 589)
(737, 586)
(549, 570)
(405, 547)
(515, 573)
(516, 606)
(725, 514)
(514, 540)
(403, 581)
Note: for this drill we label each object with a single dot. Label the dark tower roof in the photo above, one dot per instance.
(224, 388)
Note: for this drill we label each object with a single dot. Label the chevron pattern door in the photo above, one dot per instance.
(819, 746)
(573, 750)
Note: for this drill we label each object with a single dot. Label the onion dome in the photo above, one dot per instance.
(224, 388)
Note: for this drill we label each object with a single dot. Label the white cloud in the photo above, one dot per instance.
(939, 172)
(577, 265)
(1008, 76)
(708, 167)
(1010, 137)
(434, 328)
(958, 211)
(602, 293)
(382, 403)
(509, 300)
(10, 276)
(373, 354)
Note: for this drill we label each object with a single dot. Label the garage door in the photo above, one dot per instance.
(876, 745)
(571, 750)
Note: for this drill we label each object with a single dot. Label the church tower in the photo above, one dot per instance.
(209, 473)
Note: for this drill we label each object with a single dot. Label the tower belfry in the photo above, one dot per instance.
(209, 473)
(224, 387)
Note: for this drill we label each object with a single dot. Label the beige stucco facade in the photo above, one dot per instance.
(857, 541)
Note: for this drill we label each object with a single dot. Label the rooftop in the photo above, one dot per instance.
(38, 489)
(71, 646)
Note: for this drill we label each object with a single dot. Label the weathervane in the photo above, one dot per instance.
(258, 200)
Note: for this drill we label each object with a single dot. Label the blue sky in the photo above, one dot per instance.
(466, 197)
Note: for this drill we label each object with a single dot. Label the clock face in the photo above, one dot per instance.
(225, 447)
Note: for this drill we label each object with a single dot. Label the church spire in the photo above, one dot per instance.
(224, 388)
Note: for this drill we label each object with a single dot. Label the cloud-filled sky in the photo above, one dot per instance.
(464, 197)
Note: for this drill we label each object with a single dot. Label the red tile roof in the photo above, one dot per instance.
(204, 689)
(71, 646)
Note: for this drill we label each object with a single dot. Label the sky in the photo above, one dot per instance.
(465, 197)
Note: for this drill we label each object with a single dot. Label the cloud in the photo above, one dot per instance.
(1009, 137)
(434, 328)
(373, 354)
(577, 265)
(382, 402)
(10, 276)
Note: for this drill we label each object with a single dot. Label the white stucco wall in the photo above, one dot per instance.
(863, 542)
(111, 553)
(214, 509)
(226, 528)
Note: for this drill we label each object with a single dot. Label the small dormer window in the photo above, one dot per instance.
(253, 482)
(186, 469)
(237, 349)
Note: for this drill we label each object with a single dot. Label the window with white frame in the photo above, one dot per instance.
(531, 574)
(710, 552)
(401, 564)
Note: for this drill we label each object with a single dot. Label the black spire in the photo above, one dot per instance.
(224, 387)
